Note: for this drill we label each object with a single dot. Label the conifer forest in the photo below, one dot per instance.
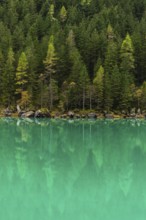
(73, 54)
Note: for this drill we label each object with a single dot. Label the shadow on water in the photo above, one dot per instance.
(79, 169)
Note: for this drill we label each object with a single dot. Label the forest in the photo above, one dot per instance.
(74, 54)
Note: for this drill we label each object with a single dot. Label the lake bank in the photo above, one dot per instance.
(72, 115)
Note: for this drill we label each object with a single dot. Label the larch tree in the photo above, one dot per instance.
(22, 78)
(98, 87)
(63, 14)
(127, 55)
(50, 63)
(126, 69)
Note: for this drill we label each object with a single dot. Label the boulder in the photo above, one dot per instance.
(42, 114)
(7, 112)
(138, 111)
(77, 116)
(70, 114)
(92, 115)
(83, 116)
(108, 116)
(29, 114)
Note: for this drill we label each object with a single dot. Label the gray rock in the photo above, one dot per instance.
(109, 116)
(7, 112)
(92, 115)
(71, 114)
(29, 114)
(42, 114)
(138, 111)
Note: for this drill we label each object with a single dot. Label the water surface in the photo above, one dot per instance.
(72, 170)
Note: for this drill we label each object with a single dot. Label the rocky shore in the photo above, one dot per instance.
(45, 113)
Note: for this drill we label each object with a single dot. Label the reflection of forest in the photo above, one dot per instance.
(73, 169)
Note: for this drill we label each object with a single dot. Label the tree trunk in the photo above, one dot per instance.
(83, 98)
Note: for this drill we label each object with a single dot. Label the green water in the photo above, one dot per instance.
(72, 170)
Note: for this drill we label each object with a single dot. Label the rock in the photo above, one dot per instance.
(109, 116)
(92, 115)
(29, 114)
(138, 111)
(70, 114)
(77, 116)
(7, 112)
(133, 111)
(64, 116)
(140, 116)
(42, 114)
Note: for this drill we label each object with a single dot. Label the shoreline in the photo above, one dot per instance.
(79, 116)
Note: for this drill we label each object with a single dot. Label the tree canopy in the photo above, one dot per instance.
(77, 54)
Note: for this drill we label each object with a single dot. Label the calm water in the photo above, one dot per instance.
(72, 170)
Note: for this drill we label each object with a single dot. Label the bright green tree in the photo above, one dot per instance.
(22, 75)
(63, 14)
(99, 87)
(50, 63)
(127, 55)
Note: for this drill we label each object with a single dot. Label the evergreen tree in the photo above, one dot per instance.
(22, 76)
(99, 88)
(108, 100)
(83, 84)
(50, 69)
(63, 14)
(127, 55)
(9, 79)
(116, 83)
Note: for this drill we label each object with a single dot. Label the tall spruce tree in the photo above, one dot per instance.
(9, 79)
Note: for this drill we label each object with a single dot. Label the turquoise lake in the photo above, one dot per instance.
(72, 170)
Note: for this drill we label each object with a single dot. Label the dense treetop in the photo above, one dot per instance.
(84, 54)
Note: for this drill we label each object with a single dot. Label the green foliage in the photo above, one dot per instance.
(22, 72)
(127, 54)
(50, 69)
(99, 87)
(68, 42)
(63, 14)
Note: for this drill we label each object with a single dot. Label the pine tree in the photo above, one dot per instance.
(116, 86)
(126, 93)
(22, 76)
(50, 63)
(63, 14)
(111, 56)
(98, 88)
(127, 55)
(83, 84)
(108, 100)
(9, 79)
